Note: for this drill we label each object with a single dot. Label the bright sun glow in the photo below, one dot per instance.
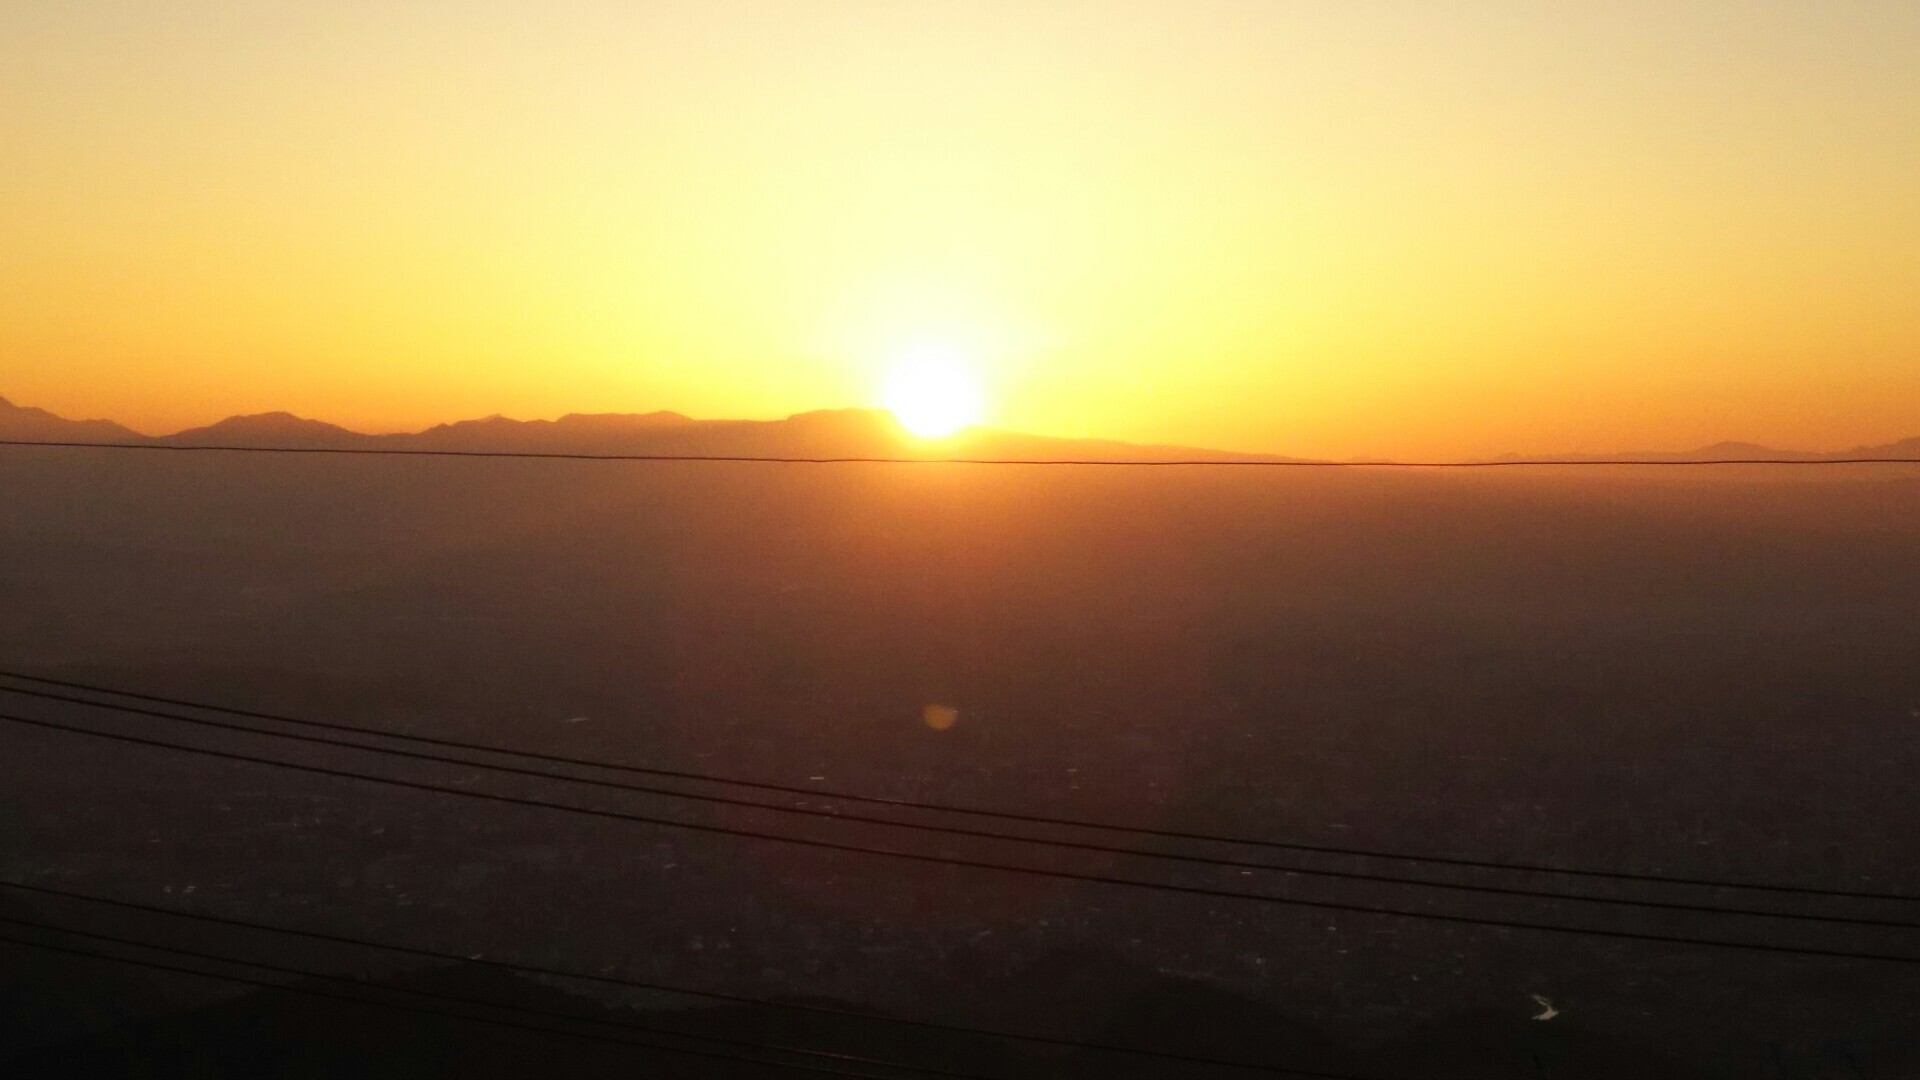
(932, 393)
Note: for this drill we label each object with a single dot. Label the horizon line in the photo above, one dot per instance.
(1238, 462)
(1195, 455)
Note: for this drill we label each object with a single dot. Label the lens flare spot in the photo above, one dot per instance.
(940, 717)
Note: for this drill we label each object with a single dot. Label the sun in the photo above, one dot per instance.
(933, 393)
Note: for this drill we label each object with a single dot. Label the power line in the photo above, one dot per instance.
(1109, 849)
(657, 987)
(380, 1004)
(978, 864)
(1288, 463)
(1037, 819)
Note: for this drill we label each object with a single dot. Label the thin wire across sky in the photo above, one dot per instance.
(996, 864)
(748, 459)
(1723, 884)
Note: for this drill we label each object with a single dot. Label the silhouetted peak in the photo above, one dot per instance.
(847, 415)
(255, 421)
(269, 429)
(854, 422)
(660, 418)
(268, 423)
(27, 422)
(1905, 448)
(494, 421)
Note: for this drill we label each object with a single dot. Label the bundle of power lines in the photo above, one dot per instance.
(1880, 925)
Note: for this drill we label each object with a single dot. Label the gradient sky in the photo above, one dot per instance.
(1323, 228)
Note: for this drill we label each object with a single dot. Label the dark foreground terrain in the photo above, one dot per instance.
(1707, 673)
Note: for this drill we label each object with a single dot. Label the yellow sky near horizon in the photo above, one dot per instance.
(1331, 229)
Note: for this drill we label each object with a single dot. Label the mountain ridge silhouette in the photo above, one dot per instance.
(849, 432)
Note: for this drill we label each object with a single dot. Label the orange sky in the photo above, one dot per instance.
(1410, 229)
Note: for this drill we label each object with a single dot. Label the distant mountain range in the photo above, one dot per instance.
(826, 433)
(1905, 449)
(22, 422)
